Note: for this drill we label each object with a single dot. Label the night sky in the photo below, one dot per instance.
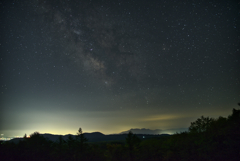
(110, 66)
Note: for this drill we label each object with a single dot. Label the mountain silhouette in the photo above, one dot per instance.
(93, 137)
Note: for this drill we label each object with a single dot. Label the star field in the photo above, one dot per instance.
(111, 66)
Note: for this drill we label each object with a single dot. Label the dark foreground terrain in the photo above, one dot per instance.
(207, 139)
(94, 137)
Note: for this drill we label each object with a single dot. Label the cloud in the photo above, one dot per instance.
(176, 130)
(161, 117)
(143, 131)
(156, 131)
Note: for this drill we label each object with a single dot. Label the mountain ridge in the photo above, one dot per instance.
(93, 137)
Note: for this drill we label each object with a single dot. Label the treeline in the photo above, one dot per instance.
(207, 139)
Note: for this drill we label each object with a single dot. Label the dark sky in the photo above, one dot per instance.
(110, 66)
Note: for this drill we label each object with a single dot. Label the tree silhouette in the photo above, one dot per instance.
(81, 144)
(25, 136)
(70, 142)
(79, 131)
(38, 146)
(200, 125)
(80, 137)
(132, 143)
